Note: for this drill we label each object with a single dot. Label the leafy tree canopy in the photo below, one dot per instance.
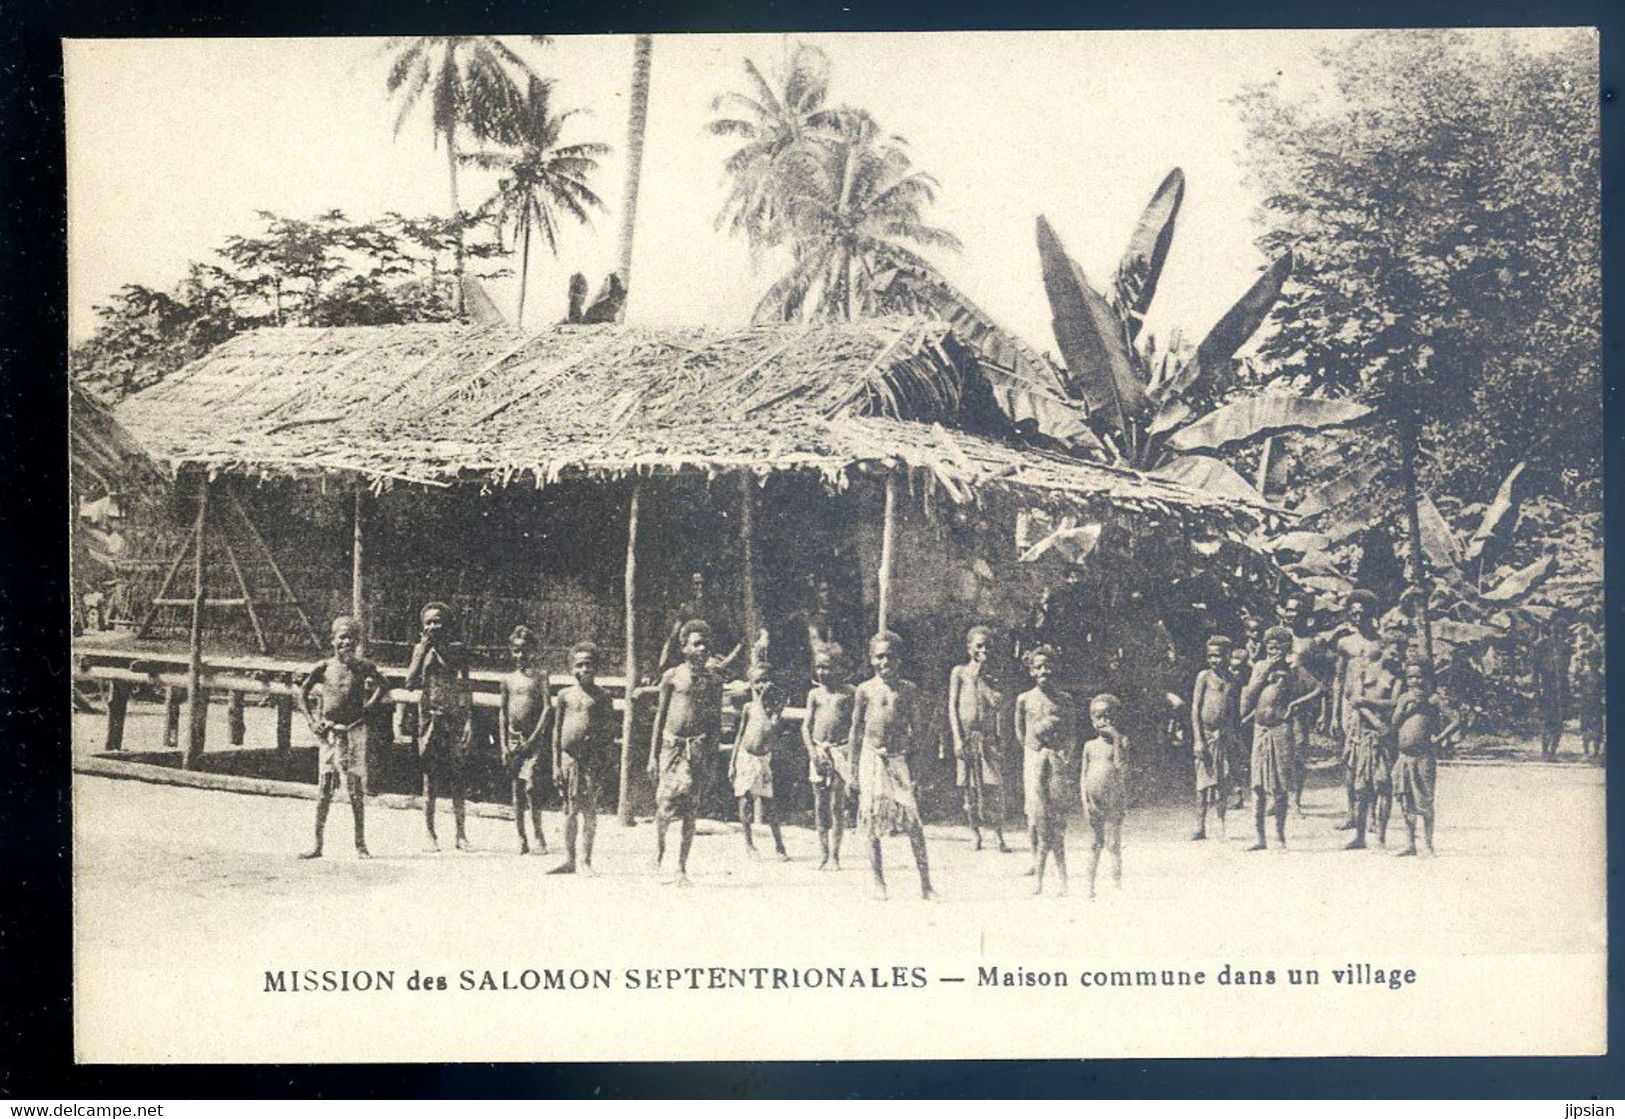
(1442, 206)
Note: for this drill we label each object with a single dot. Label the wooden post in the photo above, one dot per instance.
(358, 596)
(197, 702)
(628, 747)
(118, 705)
(172, 717)
(284, 722)
(888, 552)
(747, 539)
(1413, 517)
(236, 724)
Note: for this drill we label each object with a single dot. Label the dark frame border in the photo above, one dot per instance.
(35, 814)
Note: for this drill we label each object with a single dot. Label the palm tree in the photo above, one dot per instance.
(851, 206)
(637, 122)
(771, 122)
(472, 82)
(540, 177)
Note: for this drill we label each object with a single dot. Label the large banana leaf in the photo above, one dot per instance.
(1498, 518)
(1341, 489)
(1267, 414)
(1093, 342)
(1141, 267)
(1438, 538)
(1521, 581)
(1231, 332)
(1298, 541)
(1203, 472)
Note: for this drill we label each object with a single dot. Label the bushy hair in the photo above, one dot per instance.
(523, 636)
(1032, 655)
(693, 626)
(587, 648)
(885, 637)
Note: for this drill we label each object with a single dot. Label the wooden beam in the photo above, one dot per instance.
(284, 722)
(358, 591)
(118, 706)
(888, 553)
(747, 540)
(236, 723)
(169, 579)
(624, 807)
(197, 701)
(172, 716)
(248, 597)
(276, 569)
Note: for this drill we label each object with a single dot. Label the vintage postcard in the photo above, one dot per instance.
(837, 546)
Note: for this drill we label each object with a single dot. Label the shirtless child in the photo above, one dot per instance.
(1103, 777)
(1213, 733)
(1273, 700)
(826, 732)
(581, 725)
(886, 718)
(751, 769)
(1048, 726)
(683, 744)
(350, 688)
(1416, 723)
(973, 723)
(524, 703)
(440, 671)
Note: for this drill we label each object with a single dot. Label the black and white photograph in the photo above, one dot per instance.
(837, 546)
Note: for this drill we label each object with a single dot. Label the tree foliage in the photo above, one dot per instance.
(827, 183)
(1443, 210)
(321, 271)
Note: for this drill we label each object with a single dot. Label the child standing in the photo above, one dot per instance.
(1048, 728)
(1416, 724)
(581, 727)
(886, 716)
(826, 731)
(683, 743)
(1213, 733)
(973, 722)
(350, 688)
(1104, 779)
(440, 671)
(524, 703)
(751, 769)
(1274, 697)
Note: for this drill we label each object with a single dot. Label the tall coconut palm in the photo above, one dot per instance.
(541, 179)
(771, 120)
(852, 211)
(471, 82)
(637, 123)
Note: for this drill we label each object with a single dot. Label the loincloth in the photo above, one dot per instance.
(443, 742)
(886, 802)
(683, 764)
(342, 752)
(829, 762)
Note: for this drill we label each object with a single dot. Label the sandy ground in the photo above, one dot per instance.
(205, 885)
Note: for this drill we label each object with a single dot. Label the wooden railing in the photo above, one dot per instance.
(124, 669)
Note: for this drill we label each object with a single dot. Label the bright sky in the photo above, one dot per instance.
(173, 145)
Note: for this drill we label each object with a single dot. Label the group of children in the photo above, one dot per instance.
(576, 728)
(860, 742)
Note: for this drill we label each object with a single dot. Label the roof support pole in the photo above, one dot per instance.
(631, 655)
(358, 589)
(197, 703)
(747, 540)
(888, 552)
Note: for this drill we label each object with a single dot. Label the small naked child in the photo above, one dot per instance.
(826, 732)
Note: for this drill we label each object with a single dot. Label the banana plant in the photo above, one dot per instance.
(1120, 397)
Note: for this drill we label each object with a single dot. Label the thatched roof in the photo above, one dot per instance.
(439, 404)
(102, 456)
